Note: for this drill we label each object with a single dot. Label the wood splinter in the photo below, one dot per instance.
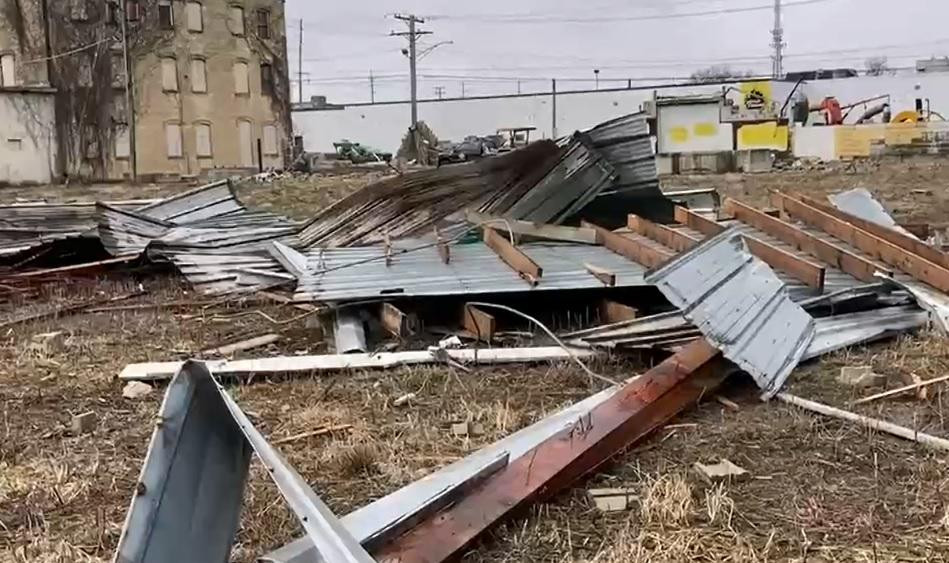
(443, 249)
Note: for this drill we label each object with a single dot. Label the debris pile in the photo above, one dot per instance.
(480, 264)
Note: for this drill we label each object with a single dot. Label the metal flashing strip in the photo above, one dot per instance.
(203, 443)
(335, 362)
(741, 307)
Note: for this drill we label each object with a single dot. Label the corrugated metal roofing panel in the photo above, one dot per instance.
(579, 176)
(740, 306)
(343, 274)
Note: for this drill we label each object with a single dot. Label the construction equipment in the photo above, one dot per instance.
(359, 154)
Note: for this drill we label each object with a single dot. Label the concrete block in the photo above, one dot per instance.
(467, 429)
(860, 377)
(84, 423)
(613, 500)
(667, 165)
(754, 161)
(719, 472)
(136, 390)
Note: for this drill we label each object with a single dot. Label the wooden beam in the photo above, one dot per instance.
(513, 256)
(697, 222)
(634, 250)
(607, 277)
(857, 266)
(887, 252)
(805, 271)
(243, 345)
(812, 275)
(905, 242)
(613, 312)
(541, 231)
(397, 322)
(480, 324)
(680, 242)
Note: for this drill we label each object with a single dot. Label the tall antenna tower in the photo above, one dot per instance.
(777, 69)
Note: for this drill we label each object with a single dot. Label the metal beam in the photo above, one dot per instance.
(632, 249)
(887, 252)
(905, 242)
(513, 256)
(857, 266)
(672, 238)
(636, 410)
(805, 271)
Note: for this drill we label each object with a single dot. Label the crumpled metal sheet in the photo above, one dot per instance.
(740, 306)
(187, 504)
(861, 203)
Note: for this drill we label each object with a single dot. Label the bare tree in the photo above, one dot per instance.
(719, 73)
(877, 66)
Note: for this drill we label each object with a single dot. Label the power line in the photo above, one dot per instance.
(619, 18)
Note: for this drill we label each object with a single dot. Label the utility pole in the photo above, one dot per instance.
(596, 78)
(553, 110)
(462, 88)
(300, 65)
(372, 87)
(412, 34)
(778, 36)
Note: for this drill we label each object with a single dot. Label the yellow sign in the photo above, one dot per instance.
(763, 136)
(707, 129)
(679, 135)
(756, 95)
(903, 133)
(852, 141)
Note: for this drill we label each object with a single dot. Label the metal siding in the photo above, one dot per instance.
(740, 306)
(338, 275)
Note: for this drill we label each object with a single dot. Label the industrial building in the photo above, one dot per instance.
(141, 89)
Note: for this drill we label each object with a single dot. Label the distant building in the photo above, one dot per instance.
(209, 83)
(29, 150)
(933, 64)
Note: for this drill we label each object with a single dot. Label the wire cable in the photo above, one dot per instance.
(71, 51)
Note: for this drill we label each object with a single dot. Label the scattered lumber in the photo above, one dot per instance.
(922, 438)
(901, 390)
(248, 344)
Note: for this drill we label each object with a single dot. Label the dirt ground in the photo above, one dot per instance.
(914, 191)
(820, 489)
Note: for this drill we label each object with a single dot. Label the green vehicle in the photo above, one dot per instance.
(359, 154)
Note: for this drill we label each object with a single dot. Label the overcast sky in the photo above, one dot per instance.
(499, 46)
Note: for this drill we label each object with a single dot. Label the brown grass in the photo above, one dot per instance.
(823, 490)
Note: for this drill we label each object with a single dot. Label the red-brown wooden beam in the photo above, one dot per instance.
(513, 256)
(805, 271)
(905, 242)
(697, 222)
(634, 250)
(857, 266)
(887, 252)
(662, 234)
(636, 410)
